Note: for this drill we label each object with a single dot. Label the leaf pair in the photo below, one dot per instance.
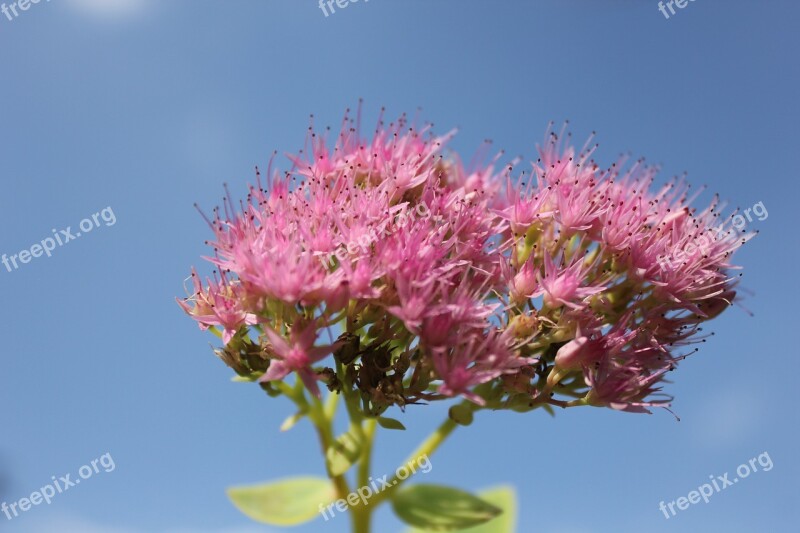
(426, 507)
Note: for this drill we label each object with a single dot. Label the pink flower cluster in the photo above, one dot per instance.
(543, 289)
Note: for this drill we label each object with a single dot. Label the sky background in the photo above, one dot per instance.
(149, 106)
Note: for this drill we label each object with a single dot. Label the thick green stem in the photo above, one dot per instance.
(366, 457)
(362, 518)
(362, 514)
(325, 431)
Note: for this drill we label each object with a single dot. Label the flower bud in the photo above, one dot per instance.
(524, 283)
(573, 354)
(461, 414)
(523, 326)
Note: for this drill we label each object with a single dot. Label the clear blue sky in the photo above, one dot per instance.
(150, 106)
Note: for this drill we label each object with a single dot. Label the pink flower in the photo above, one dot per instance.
(219, 305)
(476, 358)
(298, 354)
(527, 205)
(623, 387)
(566, 284)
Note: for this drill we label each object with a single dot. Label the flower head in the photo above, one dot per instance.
(572, 284)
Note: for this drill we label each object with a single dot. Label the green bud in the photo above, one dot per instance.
(461, 414)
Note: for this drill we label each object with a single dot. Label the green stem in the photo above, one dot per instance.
(362, 514)
(366, 457)
(325, 431)
(330, 406)
(361, 519)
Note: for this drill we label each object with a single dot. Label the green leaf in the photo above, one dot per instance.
(286, 502)
(341, 455)
(504, 498)
(390, 423)
(439, 508)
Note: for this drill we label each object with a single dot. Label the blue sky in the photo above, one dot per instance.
(147, 107)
